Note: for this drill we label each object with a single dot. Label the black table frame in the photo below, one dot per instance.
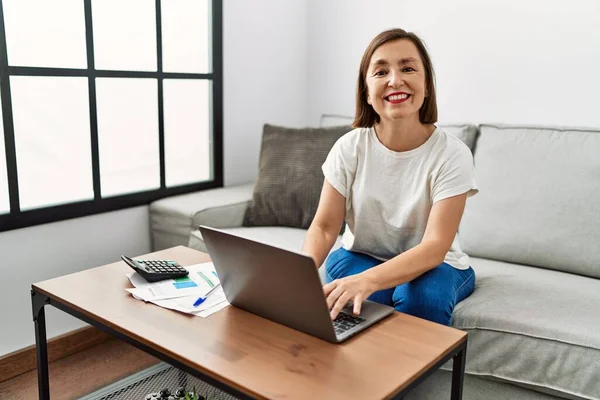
(40, 300)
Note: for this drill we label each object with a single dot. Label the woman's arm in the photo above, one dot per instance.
(326, 225)
(440, 232)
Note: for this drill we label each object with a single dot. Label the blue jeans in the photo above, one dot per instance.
(431, 296)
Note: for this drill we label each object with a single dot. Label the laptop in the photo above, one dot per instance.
(282, 286)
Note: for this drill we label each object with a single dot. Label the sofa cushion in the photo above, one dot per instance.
(283, 237)
(173, 218)
(465, 132)
(534, 327)
(290, 178)
(539, 200)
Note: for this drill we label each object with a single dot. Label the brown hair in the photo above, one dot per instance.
(365, 116)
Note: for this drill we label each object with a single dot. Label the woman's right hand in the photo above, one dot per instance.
(353, 288)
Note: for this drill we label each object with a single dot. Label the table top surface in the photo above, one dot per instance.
(254, 355)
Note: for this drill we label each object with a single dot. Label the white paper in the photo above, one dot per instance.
(180, 294)
(213, 310)
(201, 279)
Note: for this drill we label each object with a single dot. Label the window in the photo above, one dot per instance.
(4, 199)
(106, 105)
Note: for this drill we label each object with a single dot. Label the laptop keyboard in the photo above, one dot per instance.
(345, 321)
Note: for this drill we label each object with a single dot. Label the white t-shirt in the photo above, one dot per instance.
(389, 194)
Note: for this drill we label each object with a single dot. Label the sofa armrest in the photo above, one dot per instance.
(173, 218)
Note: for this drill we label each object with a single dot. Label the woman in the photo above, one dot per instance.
(401, 184)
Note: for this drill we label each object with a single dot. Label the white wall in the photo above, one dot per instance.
(511, 61)
(264, 81)
(265, 78)
(42, 252)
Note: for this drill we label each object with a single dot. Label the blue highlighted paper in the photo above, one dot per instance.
(184, 283)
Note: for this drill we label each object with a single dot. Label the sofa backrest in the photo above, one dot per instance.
(465, 132)
(539, 199)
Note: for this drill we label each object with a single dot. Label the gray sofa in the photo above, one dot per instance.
(533, 234)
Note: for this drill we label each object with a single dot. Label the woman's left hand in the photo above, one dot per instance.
(339, 292)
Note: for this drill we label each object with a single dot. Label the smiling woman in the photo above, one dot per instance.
(400, 184)
(404, 56)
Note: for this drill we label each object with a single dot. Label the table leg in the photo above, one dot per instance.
(38, 302)
(458, 373)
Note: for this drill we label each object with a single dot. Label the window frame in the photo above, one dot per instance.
(16, 218)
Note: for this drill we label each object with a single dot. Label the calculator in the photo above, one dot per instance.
(156, 270)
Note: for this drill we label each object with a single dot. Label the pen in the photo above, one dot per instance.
(201, 299)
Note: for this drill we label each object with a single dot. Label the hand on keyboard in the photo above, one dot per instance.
(339, 292)
(344, 321)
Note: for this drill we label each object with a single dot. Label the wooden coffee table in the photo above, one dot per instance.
(248, 356)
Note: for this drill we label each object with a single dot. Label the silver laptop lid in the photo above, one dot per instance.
(277, 284)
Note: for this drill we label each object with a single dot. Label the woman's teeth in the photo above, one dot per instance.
(397, 97)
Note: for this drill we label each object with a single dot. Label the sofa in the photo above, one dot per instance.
(533, 235)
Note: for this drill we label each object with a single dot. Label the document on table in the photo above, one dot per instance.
(181, 293)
